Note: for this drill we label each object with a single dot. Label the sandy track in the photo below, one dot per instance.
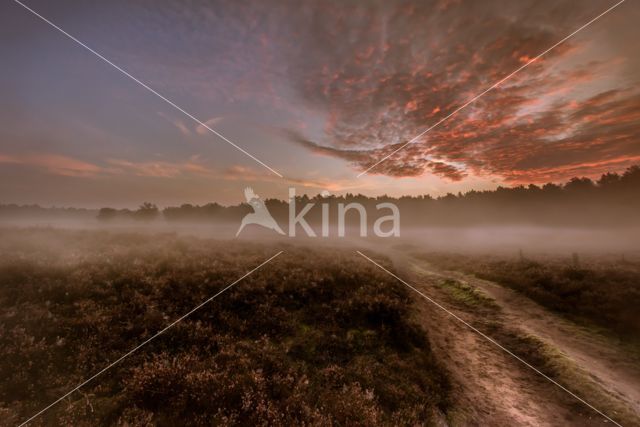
(493, 388)
(617, 372)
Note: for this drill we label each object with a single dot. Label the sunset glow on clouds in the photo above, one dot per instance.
(542, 125)
(319, 91)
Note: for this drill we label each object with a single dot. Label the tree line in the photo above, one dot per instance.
(613, 199)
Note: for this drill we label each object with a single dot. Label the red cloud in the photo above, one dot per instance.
(385, 74)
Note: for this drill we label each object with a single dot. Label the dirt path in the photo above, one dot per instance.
(492, 387)
(616, 372)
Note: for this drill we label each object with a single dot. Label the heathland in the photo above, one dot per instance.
(314, 337)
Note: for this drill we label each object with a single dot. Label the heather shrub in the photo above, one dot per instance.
(317, 337)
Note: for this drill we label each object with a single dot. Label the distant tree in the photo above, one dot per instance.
(631, 178)
(147, 212)
(107, 214)
(608, 180)
(551, 188)
(579, 185)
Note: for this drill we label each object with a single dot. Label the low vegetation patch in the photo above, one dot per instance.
(602, 292)
(468, 295)
(316, 337)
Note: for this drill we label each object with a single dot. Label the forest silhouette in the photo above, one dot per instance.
(611, 200)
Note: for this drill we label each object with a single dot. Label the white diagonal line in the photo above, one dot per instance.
(488, 338)
(109, 366)
(153, 91)
(495, 85)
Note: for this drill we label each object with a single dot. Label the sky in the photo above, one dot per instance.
(317, 90)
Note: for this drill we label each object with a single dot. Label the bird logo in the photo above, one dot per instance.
(260, 215)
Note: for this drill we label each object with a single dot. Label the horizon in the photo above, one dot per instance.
(325, 194)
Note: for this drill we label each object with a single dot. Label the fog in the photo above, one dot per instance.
(499, 240)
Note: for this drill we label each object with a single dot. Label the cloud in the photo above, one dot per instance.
(54, 164)
(161, 169)
(212, 122)
(376, 74)
(384, 73)
(356, 80)
(183, 128)
(178, 123)
(193, 167)
(415, 161)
